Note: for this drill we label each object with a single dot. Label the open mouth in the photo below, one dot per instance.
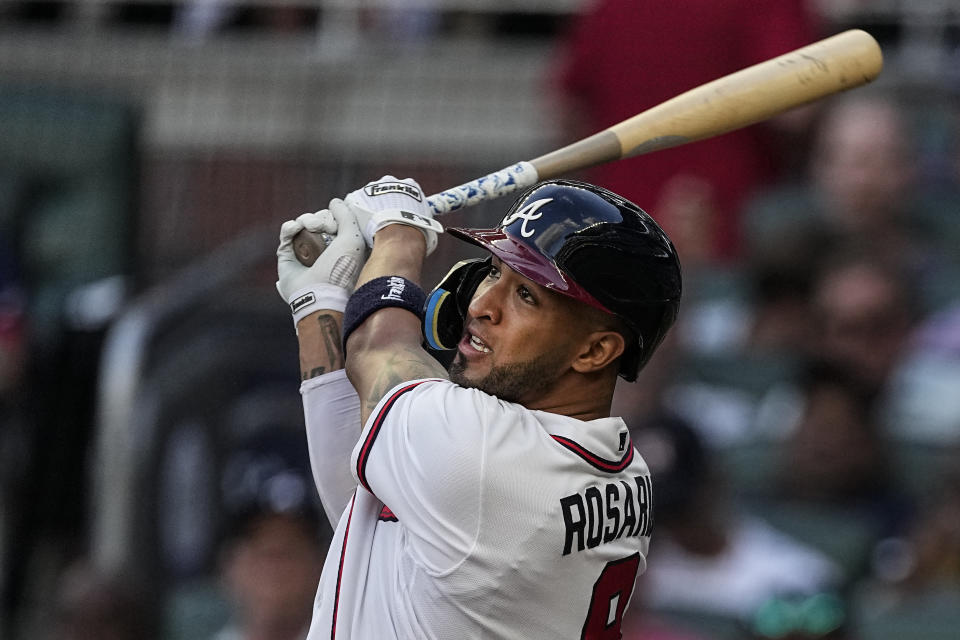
(477, 345)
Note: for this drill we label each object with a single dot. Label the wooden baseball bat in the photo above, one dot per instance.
(844, 61)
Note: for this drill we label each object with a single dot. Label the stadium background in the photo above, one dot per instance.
(146, 166)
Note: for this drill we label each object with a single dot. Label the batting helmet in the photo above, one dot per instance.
(592, 245)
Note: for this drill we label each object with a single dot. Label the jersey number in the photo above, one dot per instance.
(611, 593)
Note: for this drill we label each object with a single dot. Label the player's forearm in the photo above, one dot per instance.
(398, 250)
(321, 351)
(385, 349)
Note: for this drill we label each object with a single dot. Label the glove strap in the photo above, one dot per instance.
(380, 293)
(305, 301)
(429, 226)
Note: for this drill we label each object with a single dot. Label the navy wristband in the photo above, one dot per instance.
(380, 293)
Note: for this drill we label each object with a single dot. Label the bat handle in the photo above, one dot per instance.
(308, 246)
(493, 185)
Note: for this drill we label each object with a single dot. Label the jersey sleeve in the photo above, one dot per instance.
(331, 411)
(421, 453)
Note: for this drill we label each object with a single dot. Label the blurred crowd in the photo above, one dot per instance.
(801, 422)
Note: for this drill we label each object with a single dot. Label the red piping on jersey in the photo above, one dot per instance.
(596, 461)
(375, 429)
(343, 553)
(387, 515)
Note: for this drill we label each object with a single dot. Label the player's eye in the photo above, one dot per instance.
(526, 295)
(493, 273)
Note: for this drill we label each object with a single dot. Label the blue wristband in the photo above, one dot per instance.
(380, 293)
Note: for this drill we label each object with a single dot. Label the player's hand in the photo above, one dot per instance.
(330, 280)
(392, 201)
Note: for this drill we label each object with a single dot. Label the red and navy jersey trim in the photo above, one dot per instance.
(387, 515)
(595, 461)
(343, 553)
(375, 431)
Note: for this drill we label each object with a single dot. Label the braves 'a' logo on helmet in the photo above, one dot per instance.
(529, 212)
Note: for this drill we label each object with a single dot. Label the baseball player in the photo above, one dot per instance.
(498, 499)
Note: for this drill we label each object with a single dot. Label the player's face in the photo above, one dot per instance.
(519, 338)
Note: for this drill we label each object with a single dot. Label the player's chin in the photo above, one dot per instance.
(461, 371)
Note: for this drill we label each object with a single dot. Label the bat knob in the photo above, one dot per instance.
(308, 247)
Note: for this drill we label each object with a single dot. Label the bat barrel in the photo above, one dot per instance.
(838, 63)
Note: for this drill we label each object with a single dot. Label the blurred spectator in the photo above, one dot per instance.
(833, 481)
(275, 539)
(625, 56)
(862, 190)
(91, 604)
(762, 309)
(864, 311)
(836, 454)
(922, 404)
(864, 166)
(740, 336)
(852, 309)
(781, 307)
(707, 557)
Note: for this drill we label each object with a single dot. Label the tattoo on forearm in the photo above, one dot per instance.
(331, 350)
(331, 338)
(406, 364)
(313, 373)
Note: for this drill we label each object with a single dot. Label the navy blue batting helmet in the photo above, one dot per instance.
(592, 245)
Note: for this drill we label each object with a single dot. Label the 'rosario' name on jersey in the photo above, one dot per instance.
(602, 514)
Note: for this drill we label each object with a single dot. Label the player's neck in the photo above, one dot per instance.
(584, 397)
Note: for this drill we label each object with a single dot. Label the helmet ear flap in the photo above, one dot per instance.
(445, 310)
(630, 361)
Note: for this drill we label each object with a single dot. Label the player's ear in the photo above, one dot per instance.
(600, 349)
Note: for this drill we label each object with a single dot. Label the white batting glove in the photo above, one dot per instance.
(392, 201)
(330, 280)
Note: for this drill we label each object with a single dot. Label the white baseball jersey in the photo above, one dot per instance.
(478, 518)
